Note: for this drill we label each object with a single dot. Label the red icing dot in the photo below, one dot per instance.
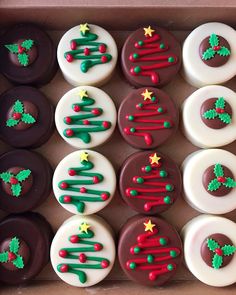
(221, 179)
(73, 45)
(217, 48)
(67, 199)
(152, 277)
(82, 258)
(76, 108)
(106, 124)
(69, 57)
(95, 179)
(69, 132)
(16, 116)
(104, 196)
(86, 51)
(86, 122)
(102, 48)
(147, 207)
(104, 59)
(131, 250)
(68, 120)
(11, 256)
(63, 253)
(219, 251)
(97, 247)
(72, 172)
(64, 268)
(140, 239)
(220, 111)
(20, 49)
(104, 264)
(64, 185)
(96, 111)
(83, 190)
(148, 139)
(13, 180)
(74, 239)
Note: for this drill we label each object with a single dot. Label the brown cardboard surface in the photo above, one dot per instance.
(116, 149)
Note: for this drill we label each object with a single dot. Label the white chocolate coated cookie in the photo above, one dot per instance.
(209, 181)
(84, 182)
(87, 55)
(209, 54)
(209, 116)
(209, 249)
(83, 250)
(85, 117)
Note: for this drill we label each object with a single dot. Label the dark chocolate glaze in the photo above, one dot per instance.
(214, 123)
(165, 74)
(128, 107)
(217, 60)
(37, 133)
(207, 177)
(133, 167)
(42, 69)
(41, 187)
(207, 255)
(128, 238)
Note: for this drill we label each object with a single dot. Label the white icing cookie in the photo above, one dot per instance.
(83, 250)
(84, 182)
(209, 116)
(209, 249)
(85, 117)
(87, 55)
(209, 181)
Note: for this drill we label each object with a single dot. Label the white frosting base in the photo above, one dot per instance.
(193, 126)
(102, 234)
(194, 233)
(195, 71)
(101, 165)
(195, 194)
(98, 74)
(102, 100)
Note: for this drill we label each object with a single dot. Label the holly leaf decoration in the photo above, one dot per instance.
(23, 175)
(223, 51)
(210, 114)
(228, 250)
(208, 54)
(23, 59)
(16, 189)
(214, 40)
(18, 107)
(230, 183)
(14, 245)
(213, 185)
(217, 261)
(225, 117)
(12, 122)
(212, 244)
(27, 44)
(4, 257)
(28, 119)
(5, 176)
(13, 48)
(18, 262)
(220, 103)
(218, 170)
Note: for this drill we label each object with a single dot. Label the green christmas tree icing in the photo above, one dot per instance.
(15, 181)
(220, 179)
(215, 48)
(219, 252)
(22, 51)
(12, 255)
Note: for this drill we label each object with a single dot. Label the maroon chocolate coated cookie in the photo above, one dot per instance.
(25, 241)
(150, 182)
(150, 57)
(28, 55)
(147, 118)
(26, 117)
(149, 250)
(25, 181)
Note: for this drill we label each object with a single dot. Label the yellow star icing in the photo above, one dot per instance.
(147, 94)
(83, 28)
(148, 31)
(154, 159)
(84, 227)
(84, 156)
(149, 225)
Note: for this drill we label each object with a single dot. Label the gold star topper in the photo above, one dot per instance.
(84, 28)
(154, 159)
(84, 157)
(148, 31)
(83, 93)
(84, 227)
(147, 94)
(149, 225)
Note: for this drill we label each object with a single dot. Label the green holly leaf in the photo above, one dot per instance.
(13, 48)
(28, 119)
(27, 44)
(16, 189)
(12, 122)
(210, 114)
(224, 51)
(217, 261)
(225, 117)
(218, 170)
(214, 40)
(208, 54)
(23, 59)
(14, 245)
(212, 244)
(18, 107)
(4, 257)
(220, 103)
(213, 185)
(228, 250)
(23, 175)
(230, 183)
(5, 176)
(18, 262)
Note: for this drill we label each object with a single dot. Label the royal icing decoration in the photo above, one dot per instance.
(215, 48)
(12, 255)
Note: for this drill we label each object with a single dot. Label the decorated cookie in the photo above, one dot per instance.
(26, 117)
(209, 181)
(151, 56)
(84, 182)
(25, 181)
(83, 251)
(28, 55)
(147, 118)
(149, 250)
(87, 55)
(210, 248)
(85, 117)
(209, 116)
(24, 247)
(209, 55)
(150, 182)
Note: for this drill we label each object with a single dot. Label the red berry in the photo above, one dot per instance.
(95, 179)
(220, 111)
(83, 190)
(68, 120)
(104, 59)
(219, 252)
(73, 45)
(72, 172)
(69, 57)
(74, 239)
(104, 264)
(86, 51)
(86, 122)
(11, 256)
(69, 132)
(104, 196)
(106, 124)
(96, 111)
(82, 258)
(20, 49)
(102, 48)
(221, 179)
(97, 247)
(64, 268)
(67, 199)
(16, 116)
(76, 108)
(63, 253)
(13, 180)
(216, 48)
(64, 185)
